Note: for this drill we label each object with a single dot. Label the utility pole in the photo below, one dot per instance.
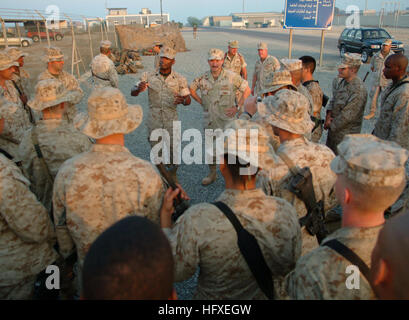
(366, 5)
(243, 6)
(161, 13)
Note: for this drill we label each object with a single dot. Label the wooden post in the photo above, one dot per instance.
(90, 39)
(116, 37)
(290, 45)
(102, 32)
(46, 27)
(18, 33)
(6, 43)
(38, 30)
(322, 46)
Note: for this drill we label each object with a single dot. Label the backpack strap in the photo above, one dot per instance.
(34, 140)
(393, 89)
(251, 252)
(350, 255)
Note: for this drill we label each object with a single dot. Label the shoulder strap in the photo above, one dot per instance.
(293, 168)
(306, 83)
(26, 108)
(350, 255)
(393, 89)
(251, 252)
(34, 139)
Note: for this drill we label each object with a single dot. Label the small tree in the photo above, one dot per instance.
(194, 21)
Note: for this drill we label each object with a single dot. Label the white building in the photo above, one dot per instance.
(120, 16)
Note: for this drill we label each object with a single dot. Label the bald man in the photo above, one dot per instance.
(390, 260)
(394, 118)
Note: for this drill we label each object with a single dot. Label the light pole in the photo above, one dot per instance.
(243, 6)
(161, 14)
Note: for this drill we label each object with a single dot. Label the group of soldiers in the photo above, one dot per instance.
(66, 179)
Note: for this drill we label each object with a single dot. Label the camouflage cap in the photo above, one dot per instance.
(53, 54)
(215, 54)
(249, 141)
(105, 44)
(100, 64)
(234, 44)
(387, 42)
(262, 45)
(15, 53)
(291, 64)
(287, 110)
(277, 80)
(108, 113)
(157, 43)
(371, 161)
(6, 61)
(351, 60)
(49, 93)
(168, 52)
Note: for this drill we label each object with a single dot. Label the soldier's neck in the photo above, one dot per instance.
(3, 82)
(53, 72)
(216, 74)
(307, 77)
(356, 219)
(396, 80)
(117, 139)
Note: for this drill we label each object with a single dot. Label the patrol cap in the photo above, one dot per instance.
(277, 80)
(291, 64)
(262, 45)
(105, 44)
(234, 44)
(368, 160)
(287, 110)
(387, 42)
(6, 61)
(53, 54)
(108, 113)
(168, 52)
(249, 141)
(157, 43)
(351, 60)
(15, 53)
(215, 54)
(49, 93)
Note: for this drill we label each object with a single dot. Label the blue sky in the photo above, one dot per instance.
(179, 9)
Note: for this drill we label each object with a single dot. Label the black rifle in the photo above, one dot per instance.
(180, 205)
(25, 106)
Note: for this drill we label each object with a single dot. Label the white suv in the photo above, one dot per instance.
(14, 40)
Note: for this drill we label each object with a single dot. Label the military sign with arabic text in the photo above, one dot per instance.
(309, 14)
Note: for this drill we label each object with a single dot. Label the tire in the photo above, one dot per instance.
(365, 55)
(36, 38)
(58, 37)
(342, 51)
(25, 43)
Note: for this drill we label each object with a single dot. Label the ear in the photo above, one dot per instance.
(347, 196)
(381, 273)
(174, 295)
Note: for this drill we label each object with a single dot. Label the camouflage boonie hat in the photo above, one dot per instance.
(287, 110)
(100, 65)
(351, 60)
(215, 54)
(15, 53)
(53, 54)
(6, 61)
(240, 142)
(387, 42)
(108, 113)
(234, 44)
(262, 45)
(291, 64)
(105, 44)
(168, 52)
(49, 93)
(277, 80)
(371, 161)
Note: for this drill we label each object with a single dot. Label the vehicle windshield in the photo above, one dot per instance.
(376, 34)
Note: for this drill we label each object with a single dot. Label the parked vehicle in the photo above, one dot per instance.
(366, 41)
(54, 35)
(13, 40)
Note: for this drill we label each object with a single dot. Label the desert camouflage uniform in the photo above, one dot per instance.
(103, 72)
(16, 120)
(304, 91)
(59, 141)
(204, 237)
(235, 64)
(262, 70)
(302, 153)
(393, 122)
(321, 274)
(317, 95)
(23, 81)
(347, 105)
(156, 62)
(378, 63)
(97, 188)
(71, 84)
(218, 95)
(25, 229)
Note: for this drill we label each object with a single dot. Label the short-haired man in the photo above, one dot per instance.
(313, 87)
(264, 66)
(390, 260)
(234, 61)
(370, 177)
(156, 49)
(131, 260)
(21, 77)
(103, 69)
(347, 105)
(55, 64)
(167, 89)
(51, 141)
(219, 91)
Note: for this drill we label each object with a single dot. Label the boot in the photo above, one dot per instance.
(211, 177)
